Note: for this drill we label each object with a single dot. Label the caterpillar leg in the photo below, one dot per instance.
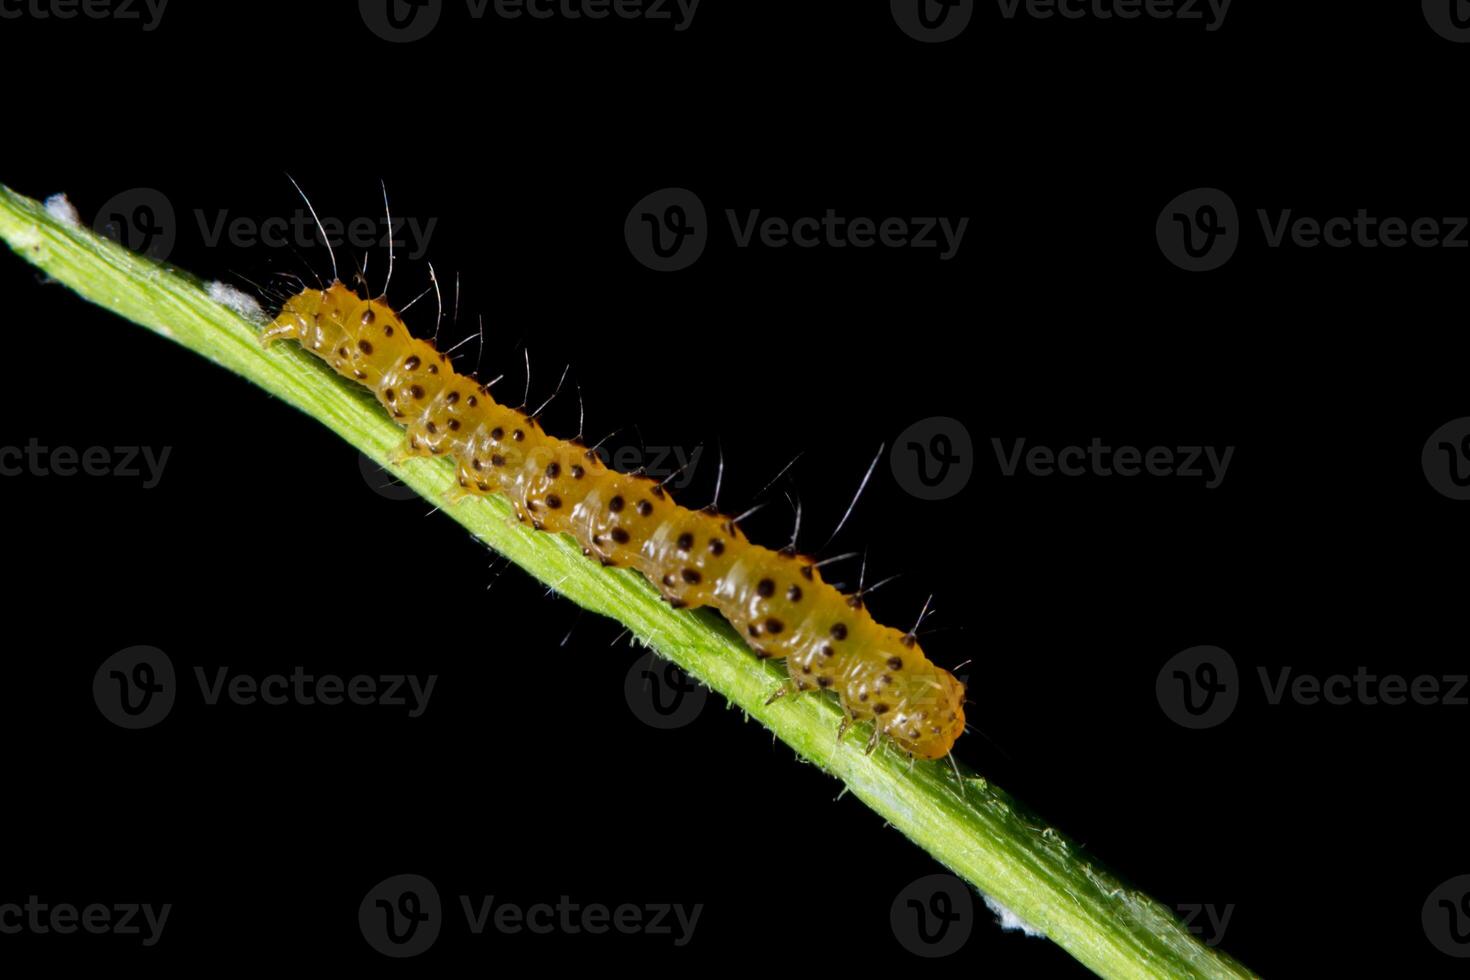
(282, 328)
(410, 447)
(843, 726)
(466, 484)
(457, 492)
(780, 692)
(873, 740)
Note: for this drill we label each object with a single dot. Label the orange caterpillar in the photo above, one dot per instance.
(775, 599)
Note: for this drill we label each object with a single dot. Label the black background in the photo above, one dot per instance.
(1324, 549)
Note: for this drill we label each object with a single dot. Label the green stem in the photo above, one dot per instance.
(982, 836)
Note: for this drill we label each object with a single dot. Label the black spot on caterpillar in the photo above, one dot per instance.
(777, 600)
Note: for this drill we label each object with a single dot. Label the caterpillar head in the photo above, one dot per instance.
(929, 724)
